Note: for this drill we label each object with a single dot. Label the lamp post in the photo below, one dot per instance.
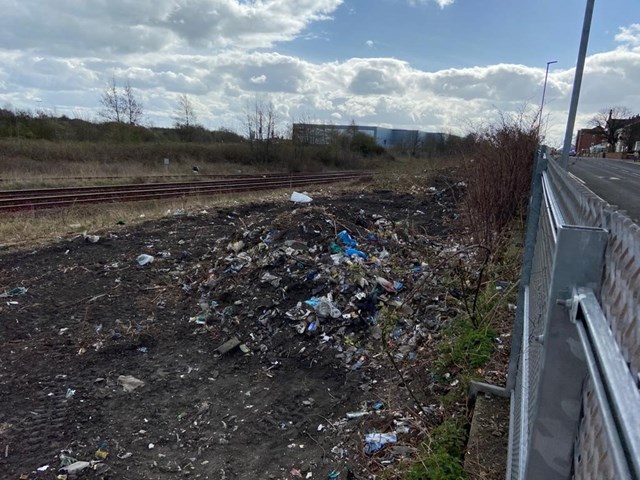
(544, 89)
(577, 82)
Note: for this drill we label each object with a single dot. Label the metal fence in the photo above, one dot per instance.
(574, 374)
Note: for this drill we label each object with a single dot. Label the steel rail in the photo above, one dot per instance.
(61, 197)
(38, 192)
(191, 177)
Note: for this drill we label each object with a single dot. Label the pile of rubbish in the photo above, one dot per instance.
(329, 289)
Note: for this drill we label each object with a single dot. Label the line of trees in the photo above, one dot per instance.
(121, 105)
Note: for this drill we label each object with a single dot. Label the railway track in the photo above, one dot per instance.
(32, 199)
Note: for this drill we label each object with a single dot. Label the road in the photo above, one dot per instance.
(616, 181)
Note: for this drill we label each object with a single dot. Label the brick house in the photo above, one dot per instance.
(588, 138)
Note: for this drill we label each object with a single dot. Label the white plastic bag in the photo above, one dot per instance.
(300, 198)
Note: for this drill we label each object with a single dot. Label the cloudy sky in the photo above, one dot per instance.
(436, 65)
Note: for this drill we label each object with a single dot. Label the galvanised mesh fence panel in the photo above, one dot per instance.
(518, 375)
(591, 458)
(614, 388)
(539, 286)
(620, 294)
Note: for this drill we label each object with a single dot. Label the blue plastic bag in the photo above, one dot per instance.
(346, 239)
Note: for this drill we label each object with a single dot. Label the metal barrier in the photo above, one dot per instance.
(575, 361)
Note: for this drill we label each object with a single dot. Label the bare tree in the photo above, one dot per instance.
(185, 115)
(601, 118)
(606, 119)
(113, 103)
(261, 128)
(132, 106)
(120, 105)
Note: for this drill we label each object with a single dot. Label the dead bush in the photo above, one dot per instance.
(498, 172)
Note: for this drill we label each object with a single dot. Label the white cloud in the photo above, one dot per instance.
(119, 27)
(440, 3)
(629, 36)
(370, 90)
(444, 3)
(259, 79)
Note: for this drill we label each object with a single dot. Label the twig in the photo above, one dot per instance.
(404, 382)
(327, 420)
(479, 284)
(324, 453)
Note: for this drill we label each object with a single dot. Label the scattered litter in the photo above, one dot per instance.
(75, 468)
(346, 239)
(354, 415)
(300, 198)
(324, 307)
(228, 345)
(271, 279)
(144, 259)
(375, 441)
(91, 238)
(66, 458)
(386, 284)
(286, 287)
(352, 251)
(129, 383)
(103, 451)
(236, 246)
(14, 292)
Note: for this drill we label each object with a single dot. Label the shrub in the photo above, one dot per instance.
(498, 174)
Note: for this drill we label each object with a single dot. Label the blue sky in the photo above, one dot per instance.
(464, 34)
(437, 65)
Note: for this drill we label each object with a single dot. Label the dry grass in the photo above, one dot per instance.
(18, 173)
(405, 173)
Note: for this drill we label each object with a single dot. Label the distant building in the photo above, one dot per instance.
(318, 134)
(589, 137)
(626, 134)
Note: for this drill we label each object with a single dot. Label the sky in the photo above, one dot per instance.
(435, 65)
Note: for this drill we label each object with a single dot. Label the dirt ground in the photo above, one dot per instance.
(275, 405)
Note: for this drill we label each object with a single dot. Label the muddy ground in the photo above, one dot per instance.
(273, 406)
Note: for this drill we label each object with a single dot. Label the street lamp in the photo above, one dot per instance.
(544, 89)
(577, 82)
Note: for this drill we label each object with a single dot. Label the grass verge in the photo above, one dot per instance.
(471, 347)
